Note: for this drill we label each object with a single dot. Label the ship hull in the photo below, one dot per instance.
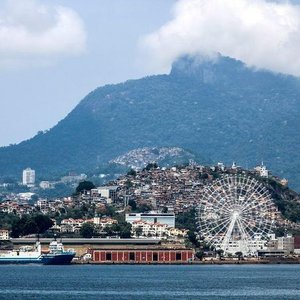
(6, 261)
(58, 259)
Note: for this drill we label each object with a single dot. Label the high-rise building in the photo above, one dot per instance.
(28, 177)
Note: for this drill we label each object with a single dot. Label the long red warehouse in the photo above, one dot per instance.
(142, 256)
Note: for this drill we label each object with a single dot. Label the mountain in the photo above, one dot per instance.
(220, 109)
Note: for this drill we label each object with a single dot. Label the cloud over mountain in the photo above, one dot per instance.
(31, 31)
(263, 34)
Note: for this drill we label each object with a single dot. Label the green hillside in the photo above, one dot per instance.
(222, 111)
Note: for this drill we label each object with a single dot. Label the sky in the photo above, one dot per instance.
(67, 49)
(54, 52)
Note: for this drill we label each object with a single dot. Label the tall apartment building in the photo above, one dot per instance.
(28, 177)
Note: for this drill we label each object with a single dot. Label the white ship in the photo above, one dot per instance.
(23, 255)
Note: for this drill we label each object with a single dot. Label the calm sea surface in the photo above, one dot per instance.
(150, 282)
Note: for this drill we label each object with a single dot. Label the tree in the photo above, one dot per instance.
(151, 166)
(43, 223)
(187, 220)
(144, 208)
(220, 253)
(128, 184)
(138, 231)
(164, 210)
(279, 231)
(199, 255)
(131, 172)
(109, 230)
(16, 229)
(239, 254)
(7, 219)
(33, 199)
(87, 230)
(30, 227)
(36, 224)
(132, 203)
(84, 208)
(122, 229)
(115, 228)
(74, 213)
(193, 238)
(125, 232)
(84, 186)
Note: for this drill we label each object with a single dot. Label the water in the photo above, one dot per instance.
(150, 282)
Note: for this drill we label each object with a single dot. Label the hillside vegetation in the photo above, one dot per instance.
(221, 110)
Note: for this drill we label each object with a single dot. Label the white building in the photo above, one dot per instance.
(71, 225)
(25, 196)
(4, 234)
(149, 229)
(107, 192)
(28, 177)
(221, 166)
(262, 170)
(167, 219)
(45, 185)
(286, 243)
(103, 222)
(42, 204)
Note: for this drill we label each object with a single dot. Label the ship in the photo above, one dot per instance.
(23, 255)
(56, 254)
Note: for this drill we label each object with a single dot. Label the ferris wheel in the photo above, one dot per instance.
(236, 213)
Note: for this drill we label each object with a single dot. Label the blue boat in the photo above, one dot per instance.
(57, 255)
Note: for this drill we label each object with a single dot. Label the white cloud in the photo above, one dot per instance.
(31, 31)
(264, 34)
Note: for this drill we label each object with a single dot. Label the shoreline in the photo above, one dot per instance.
(217, 262)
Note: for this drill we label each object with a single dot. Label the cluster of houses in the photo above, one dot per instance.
(21, 206)
(169, 190)
(143, 225)
(149, 229)
(22, 203)
(161, 225)
(174, 189)
(163, 189)
(71, 225)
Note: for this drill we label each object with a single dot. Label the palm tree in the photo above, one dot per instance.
(220, 253)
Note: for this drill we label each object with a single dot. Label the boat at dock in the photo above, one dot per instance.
(23, 255)
(57, 255)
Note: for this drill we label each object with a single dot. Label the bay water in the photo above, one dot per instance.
(150, 282)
